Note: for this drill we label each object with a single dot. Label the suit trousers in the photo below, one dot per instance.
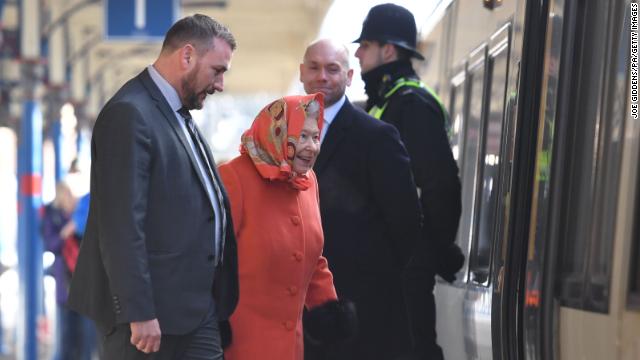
(201, 344)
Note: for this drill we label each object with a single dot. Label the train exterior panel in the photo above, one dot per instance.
(540, 123)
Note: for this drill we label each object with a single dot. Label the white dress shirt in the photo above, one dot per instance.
(330, 113)
(172, 97)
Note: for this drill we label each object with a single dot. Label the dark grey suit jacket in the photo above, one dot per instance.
(148, 247)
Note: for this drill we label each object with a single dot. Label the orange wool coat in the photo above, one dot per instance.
(280, 262)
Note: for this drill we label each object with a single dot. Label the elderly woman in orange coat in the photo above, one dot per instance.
(274, 203)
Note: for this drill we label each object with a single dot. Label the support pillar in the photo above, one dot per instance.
(57, 91)
(29, 184)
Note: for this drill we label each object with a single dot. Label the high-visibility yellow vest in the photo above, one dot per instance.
(377, 112)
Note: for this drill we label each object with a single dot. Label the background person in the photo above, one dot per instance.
(55, 217)
(370, 211)
(82, 330)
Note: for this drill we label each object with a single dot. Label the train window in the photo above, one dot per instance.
(456, 109)
(610, 156)
(472, 132)
(633, 300)
(490, 158)
(589, 140)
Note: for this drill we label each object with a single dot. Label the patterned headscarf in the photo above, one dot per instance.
(271, 139)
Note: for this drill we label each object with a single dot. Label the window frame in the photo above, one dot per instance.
(587, 165)
(480, 271)
(458, 91)
(476, 68)
(633, 290)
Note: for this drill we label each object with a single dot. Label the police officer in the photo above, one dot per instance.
(397, 96)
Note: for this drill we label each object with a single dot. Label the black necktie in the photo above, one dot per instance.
(199, 145)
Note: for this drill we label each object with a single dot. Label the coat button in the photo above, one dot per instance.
(295, 220)
(288, 325)
(298, 256)
(293, 290)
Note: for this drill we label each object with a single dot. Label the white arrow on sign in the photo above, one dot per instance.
(141, 14)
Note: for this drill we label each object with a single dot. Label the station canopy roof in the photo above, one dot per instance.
(271, 38)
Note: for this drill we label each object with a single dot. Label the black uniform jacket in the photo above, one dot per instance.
(148, 247)
(421, 123)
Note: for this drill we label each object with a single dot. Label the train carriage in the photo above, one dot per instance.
(541, 127)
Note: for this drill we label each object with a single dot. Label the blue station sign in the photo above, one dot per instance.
(139, 19)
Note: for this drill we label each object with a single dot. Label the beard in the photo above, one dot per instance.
(191, 95)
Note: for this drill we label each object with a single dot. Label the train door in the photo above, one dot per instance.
(594, 317)
(579, 285)
(479, 316)
(477, 105)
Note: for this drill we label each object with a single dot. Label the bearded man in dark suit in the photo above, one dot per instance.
(157, 269)
(370, 211)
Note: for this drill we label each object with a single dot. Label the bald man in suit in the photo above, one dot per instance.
(370, 211)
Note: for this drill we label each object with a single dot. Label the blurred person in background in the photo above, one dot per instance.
(370, 211)
(274, 202)
(85, 336)
(55, 217)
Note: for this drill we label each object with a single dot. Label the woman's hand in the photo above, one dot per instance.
(330, 323)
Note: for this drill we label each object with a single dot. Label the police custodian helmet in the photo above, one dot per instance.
(391, 23)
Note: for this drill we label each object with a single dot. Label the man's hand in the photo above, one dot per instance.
(145, 335)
